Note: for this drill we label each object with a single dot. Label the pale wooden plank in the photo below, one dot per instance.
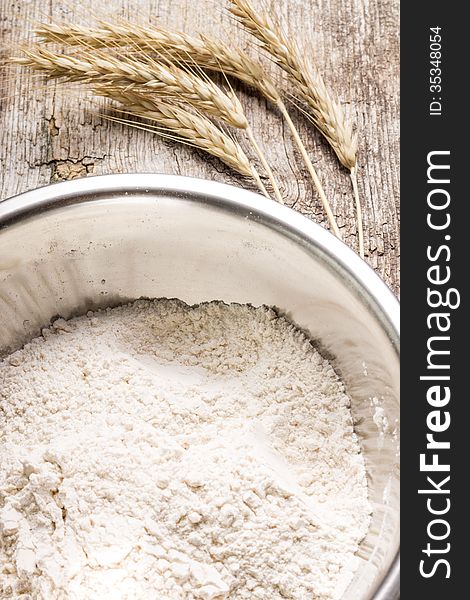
(55, 133)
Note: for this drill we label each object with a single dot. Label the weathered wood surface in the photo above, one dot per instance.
(51, 132)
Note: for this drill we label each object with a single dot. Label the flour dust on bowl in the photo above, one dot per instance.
(196, 446)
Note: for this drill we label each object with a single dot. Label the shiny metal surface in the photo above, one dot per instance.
(74, 246)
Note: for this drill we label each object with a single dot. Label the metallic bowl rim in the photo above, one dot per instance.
(385, 305)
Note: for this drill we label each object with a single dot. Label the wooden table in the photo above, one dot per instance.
(54, 132)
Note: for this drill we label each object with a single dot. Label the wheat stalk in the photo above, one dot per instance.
(165, 80)
(183, 48)
(326, 113)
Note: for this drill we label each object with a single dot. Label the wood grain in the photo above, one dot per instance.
(49, 132)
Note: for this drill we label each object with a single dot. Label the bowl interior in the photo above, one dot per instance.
(76, 246)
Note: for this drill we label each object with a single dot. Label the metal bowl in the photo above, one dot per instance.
(100, 241)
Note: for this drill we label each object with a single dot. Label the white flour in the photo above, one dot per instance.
(157, 451)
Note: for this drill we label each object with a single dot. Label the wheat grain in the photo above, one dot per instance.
(192, 128)
(183, 48)
(172, 45)
(163, 80)
(175, 41)
(325, 112)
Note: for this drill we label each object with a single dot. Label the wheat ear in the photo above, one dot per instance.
(165, 80)
(172, 45)
(325, 112)
(177, 123)
(162, 80)
(183, 48)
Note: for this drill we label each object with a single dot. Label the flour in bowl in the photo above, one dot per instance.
(157, 451)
